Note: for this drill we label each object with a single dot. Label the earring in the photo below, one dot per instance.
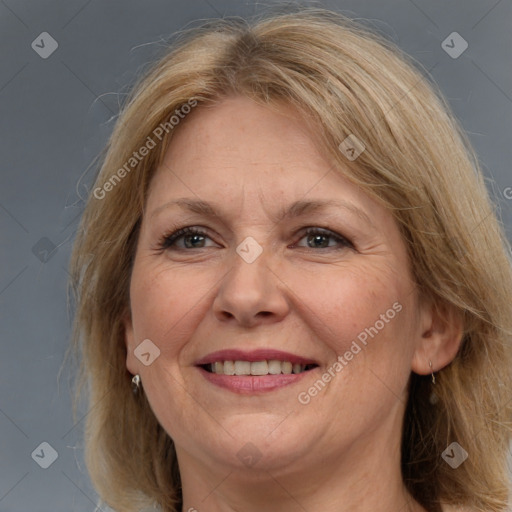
(433, 399)
(433, 376)
(136, 384)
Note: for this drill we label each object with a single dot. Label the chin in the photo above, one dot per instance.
(260, 442)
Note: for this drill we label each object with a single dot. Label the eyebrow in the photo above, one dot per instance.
(296, 209)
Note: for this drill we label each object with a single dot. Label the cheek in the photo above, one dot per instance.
(166, 305)
(365, 318)
(163, 303)
(340, 304)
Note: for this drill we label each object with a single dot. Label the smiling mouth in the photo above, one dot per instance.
(257, 368)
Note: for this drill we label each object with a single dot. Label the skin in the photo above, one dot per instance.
(299, 296)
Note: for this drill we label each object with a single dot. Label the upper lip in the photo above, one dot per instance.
(253, 356)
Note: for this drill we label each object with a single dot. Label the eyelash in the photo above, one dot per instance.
(168, 240)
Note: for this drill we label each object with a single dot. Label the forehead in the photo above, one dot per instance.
(239, 142)
(239, 129)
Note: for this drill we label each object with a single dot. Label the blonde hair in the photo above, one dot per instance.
(346, 80)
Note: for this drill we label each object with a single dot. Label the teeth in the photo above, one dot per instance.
(259, 368)
(286, 367)
(272, 367)
(242, 368)
(229, 367)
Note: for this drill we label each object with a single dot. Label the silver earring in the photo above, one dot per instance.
(433, 397)
(433, 376)
(136, 384)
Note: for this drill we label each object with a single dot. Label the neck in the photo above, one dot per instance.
(363, 478)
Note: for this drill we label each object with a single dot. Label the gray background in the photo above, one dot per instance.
(56, 114)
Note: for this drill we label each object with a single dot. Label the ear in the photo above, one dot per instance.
(129, 338)
(442, 329)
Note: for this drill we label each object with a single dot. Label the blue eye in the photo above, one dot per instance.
(194, 238)
(320, 239)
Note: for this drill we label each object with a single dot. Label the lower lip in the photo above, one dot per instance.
(252, 384)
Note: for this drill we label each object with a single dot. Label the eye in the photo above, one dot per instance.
(195, 238)
(192, 238)
(318, 238)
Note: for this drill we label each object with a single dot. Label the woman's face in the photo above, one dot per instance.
(297, 266)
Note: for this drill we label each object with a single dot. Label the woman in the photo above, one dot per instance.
(290, 256)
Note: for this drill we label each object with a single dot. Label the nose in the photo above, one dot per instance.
(251, 293)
